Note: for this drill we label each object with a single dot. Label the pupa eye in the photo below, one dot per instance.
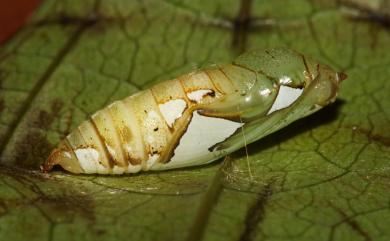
(197, 117)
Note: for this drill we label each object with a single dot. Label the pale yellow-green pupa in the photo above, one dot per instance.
(198, 117)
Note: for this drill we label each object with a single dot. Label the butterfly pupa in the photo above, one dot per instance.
(198, 117)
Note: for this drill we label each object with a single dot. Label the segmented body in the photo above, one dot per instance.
(190, 120)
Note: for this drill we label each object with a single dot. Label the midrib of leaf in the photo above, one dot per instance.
(206, 206)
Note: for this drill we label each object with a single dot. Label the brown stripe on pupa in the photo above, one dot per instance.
(111, 159)
(125, 133)
(228, 78)
(212, 82)
(118, 134)
(168, 157)
(184, 90)
(306, 67)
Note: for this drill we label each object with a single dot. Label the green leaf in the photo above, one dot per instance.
(325, 177)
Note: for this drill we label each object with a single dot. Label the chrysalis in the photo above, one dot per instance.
(197, 117)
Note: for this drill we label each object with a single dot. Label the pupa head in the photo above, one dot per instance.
(290, 68)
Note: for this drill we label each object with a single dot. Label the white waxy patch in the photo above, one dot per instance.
(202, 133)
(198, 95)
(133, 168)
(151, 161)
(128, 148)
(67, 154)
(265, 92)
(88, 159)
(285, 80)
(110, 150)
(286, 96)
(118, 170)
(172, 110)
